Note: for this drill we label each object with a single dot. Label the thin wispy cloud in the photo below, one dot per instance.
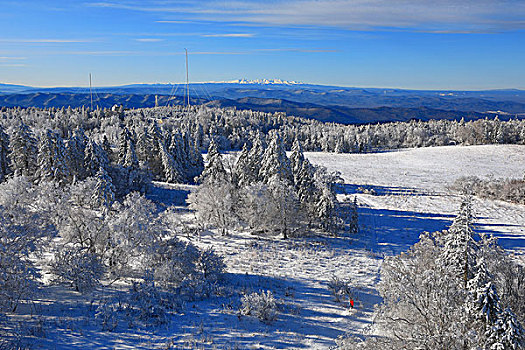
(149, 40)
(7, 58)
(174, 22)
(314, 50)
(13, 65)
(444, 16)
(230, 35)
(149, 53)
(46, 41)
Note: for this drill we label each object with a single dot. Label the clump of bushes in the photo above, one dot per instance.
(78, 268)
(261, 305)
(509, 190)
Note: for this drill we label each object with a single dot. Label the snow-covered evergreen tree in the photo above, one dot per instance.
(354, 217)
(326, 210)
(460, 245)
(171, 169)
(508, 333)
(275, 162)
(296, 157)
(127, 156)
(214, 170)
(4, 155)
(76, 146)
(24, 149)
(241, 172)
(254, 159)
(52, 159)
(104, 194)
(94, 158)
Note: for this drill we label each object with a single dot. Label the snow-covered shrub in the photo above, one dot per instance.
(180, 267)
(210, 265)
(109, 312)
(173, 262)
(79, 268)
(24, 230)
(214, 203)
(340, 288)
(134, 231)
(271, 208)
(149, 304)
(354, 343)
(261, 305)
(510, 190)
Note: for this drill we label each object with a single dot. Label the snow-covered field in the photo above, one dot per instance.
(411, 187)
(411, 196)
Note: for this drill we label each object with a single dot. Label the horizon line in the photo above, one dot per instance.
(253, 82)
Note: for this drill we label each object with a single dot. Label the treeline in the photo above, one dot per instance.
(137, 154)
(231, 128)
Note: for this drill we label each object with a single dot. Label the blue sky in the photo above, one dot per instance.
(418, 44)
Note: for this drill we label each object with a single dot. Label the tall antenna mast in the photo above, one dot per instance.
(187, 79)
(90, 91)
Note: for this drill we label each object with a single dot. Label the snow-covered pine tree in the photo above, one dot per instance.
(104, 194)
(275, 162)
(326, 210)
(153, 151)
(460, 247)
(306, 187)
(52, 158)
(106, 146)
(196, 162)
(171, 169)
(76, 146)
(483, 305)
(24, 149)
(4, 155)
(508, 334)
(142, 144)
(303, 175)
(177, 150)
(354, 217)
(498, 328)
(296, 157)
(94, 158)
(127, 156)
(214, 170)
(241, 171)
(254, 159)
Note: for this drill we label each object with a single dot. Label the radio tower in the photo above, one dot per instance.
(187, 80)
(90, 92)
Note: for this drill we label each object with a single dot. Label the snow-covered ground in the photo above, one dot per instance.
(411, 188)
(411, 196)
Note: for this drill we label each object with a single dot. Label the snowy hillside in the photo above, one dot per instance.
(407, 194)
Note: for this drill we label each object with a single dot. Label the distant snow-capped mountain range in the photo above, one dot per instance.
(261, 82)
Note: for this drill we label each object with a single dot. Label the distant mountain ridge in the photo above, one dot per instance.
(327, 103)
(338, 114)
